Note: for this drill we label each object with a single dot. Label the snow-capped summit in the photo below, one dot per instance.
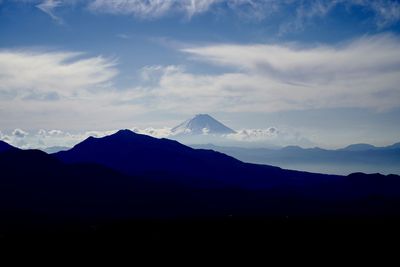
(202, 124)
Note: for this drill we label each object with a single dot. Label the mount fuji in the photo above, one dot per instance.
(201, 124)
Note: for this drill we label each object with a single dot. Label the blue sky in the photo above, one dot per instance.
(327, 72)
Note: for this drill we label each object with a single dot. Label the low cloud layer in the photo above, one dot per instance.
(48, 138)
(269, 137)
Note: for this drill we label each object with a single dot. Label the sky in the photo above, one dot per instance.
(322, 73)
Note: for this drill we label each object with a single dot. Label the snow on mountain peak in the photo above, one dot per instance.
(202, 124)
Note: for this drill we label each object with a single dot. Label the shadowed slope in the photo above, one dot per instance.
(166, 160)
(6, 147)
(136, 154)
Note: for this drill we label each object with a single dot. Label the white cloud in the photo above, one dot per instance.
(151, 8)
(362, 73)
(164, 132)
(19, 133)
(40, 89)
(48, 138)
(255, 134)
(67, 91)
(36, 73)
(268, 137)
(374, 53)
(386, 12)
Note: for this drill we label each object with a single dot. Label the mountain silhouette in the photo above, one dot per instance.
(201, 124)
(394, 146)
(141, 155)
(128, 177)
(166, 160)
(5, 147)
(359, 147)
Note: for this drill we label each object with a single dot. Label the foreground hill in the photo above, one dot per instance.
(6, 147)
(142, 155)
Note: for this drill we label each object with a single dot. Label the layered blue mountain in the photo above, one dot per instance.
(136, 154)
(5, 147)
(354, 158)
(55, 149)
(169, 161)
(128, 176)
(359, 147)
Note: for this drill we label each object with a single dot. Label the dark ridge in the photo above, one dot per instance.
(137, 154)
(5, 147)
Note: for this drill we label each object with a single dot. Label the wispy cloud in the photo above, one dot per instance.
(123, 36)
(386, 12)
(66, 88)
(153, 8)
(57, 88)
(297, 14)
(65, 73)
(48, 7)
(363, 73)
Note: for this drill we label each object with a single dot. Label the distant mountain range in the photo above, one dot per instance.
(367, 147)
(55, 149)
(353, 158)
(203, 129)
(129, 176)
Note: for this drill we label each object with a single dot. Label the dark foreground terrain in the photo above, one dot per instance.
(149, 191)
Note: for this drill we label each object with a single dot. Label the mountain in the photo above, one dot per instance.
(359, 147)
(166, 160)
(354, 158)
(366, 147)
(141, 155)
(5, 147)
(139, 181)
(54, 149)
(394, 146)
(201, 124)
